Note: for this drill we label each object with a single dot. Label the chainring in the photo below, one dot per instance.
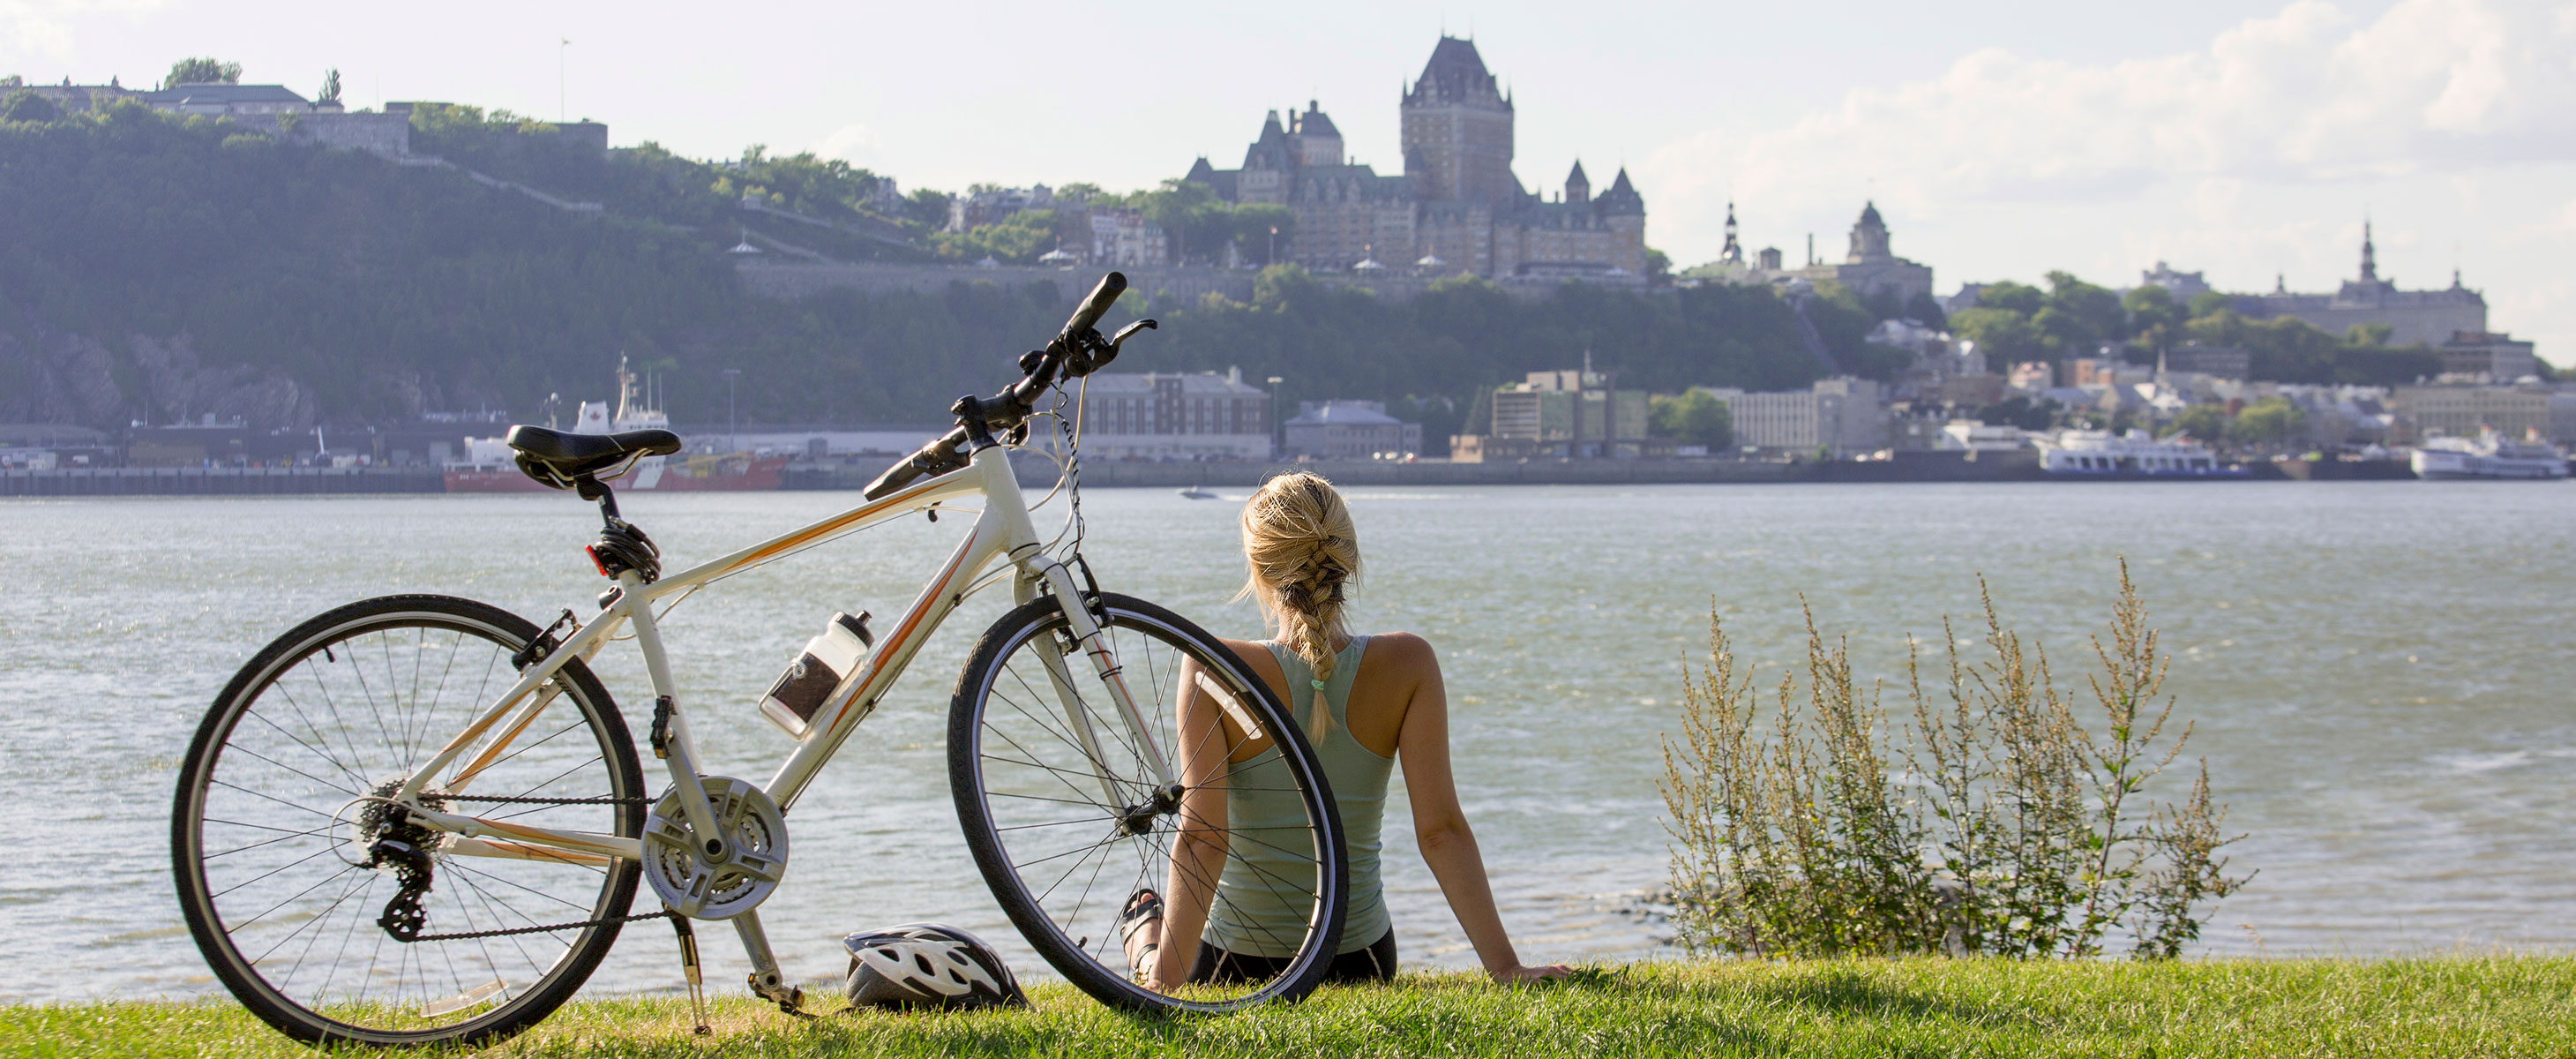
(753, 863)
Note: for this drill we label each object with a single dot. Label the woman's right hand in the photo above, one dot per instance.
(1523, 974)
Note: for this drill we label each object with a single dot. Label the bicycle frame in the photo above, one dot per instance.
(1002, 531)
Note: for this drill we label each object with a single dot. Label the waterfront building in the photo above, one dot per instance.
(1841, 414)
(1172, 416)
(1568, 413)
(1457, 207)
(2488, 356)
(1347, 430)
(2469, 410)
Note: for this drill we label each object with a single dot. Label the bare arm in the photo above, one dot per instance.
(1440, 828)
(1199, 852)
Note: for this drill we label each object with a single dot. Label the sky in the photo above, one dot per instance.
(2001, 140)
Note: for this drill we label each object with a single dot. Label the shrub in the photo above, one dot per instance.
(2001, 825)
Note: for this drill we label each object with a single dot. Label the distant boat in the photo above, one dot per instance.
(1196, 493)
(489, 465)
(2490, 457)
(2103, 454)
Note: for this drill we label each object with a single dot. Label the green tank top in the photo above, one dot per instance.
(1257, 912)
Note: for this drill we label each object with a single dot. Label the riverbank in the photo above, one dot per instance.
(856, 472)
(2486, 1006)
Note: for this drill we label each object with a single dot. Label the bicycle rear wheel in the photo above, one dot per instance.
(274, 832)
(1066, 827)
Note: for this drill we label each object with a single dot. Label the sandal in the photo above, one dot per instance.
(1141, 922)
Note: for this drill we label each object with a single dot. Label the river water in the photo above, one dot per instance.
(2379, 674)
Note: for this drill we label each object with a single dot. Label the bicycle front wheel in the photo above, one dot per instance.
(281, 835)
(1068, 819)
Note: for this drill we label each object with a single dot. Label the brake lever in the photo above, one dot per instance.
(1129, 331)
(1108, 351)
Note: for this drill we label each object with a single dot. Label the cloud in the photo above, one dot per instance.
(44, 27)
(854, 143)
(2306, 95)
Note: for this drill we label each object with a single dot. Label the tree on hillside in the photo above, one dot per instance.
(202, 71)
(23, 105)
(927, 207)
(2079, 317)
(2004, 336)
(2207, 302)
(2012, 297)
(2268, 421)
(12, 81)
(1927, 311)
(1693, 417)
(2202, 422)
(330, 92)
(2154, 317)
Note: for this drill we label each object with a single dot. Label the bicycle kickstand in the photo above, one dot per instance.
(689, 970)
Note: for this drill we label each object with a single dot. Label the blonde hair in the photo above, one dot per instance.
(1303, 550)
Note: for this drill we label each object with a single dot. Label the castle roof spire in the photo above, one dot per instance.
(2369, 255)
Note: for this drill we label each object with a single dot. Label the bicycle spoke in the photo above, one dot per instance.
(1042, 818)
(368, 697)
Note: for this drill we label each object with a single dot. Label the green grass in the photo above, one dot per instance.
(2465, 1006)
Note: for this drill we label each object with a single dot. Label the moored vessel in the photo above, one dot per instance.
(2488, 457)
(2135, 454)
(489, 467)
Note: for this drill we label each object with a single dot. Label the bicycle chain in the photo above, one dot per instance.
(499, 800)
(468, 935)
(405, 915)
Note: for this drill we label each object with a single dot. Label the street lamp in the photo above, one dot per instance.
(1278, 431)
(1273, 259)
(733, 434)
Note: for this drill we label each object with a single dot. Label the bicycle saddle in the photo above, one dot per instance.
(557, 458)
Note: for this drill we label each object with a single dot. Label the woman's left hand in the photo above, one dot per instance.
(1522, 974)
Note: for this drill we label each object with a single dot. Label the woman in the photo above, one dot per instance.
(1363, 701)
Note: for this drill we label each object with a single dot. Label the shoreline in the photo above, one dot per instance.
(1034, 472)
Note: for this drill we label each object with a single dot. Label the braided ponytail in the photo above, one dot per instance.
(1303, 550)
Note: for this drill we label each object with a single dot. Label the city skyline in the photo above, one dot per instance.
(1999, 143)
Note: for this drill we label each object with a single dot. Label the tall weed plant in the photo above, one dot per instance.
(1995, 816)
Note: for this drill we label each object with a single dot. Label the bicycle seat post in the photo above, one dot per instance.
(591, 488)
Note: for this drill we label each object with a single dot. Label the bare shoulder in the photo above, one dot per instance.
(1403, 653)
(1258, 659)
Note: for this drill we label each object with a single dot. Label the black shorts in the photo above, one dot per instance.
(1373, 964)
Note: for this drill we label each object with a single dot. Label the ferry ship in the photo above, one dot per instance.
(2136, 454)
(488, 465)
(2488, 456)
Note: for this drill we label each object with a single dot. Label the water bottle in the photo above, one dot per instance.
(809, 681)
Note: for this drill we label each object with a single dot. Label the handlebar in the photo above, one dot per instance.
(1077, 351)
(1102, 297)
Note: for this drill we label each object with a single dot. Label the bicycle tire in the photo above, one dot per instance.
(226, 775)
(990, 760)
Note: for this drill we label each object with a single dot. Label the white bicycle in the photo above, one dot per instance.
(419, 819)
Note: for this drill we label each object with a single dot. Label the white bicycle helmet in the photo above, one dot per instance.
(927, 965)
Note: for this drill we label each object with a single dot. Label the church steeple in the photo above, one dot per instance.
(1734, 252)
(2369, 256)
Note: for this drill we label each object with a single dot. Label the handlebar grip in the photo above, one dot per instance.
(938, 456)
(894, 478)
(1093, 307)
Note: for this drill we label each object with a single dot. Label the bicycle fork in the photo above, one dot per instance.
(1085, 634)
